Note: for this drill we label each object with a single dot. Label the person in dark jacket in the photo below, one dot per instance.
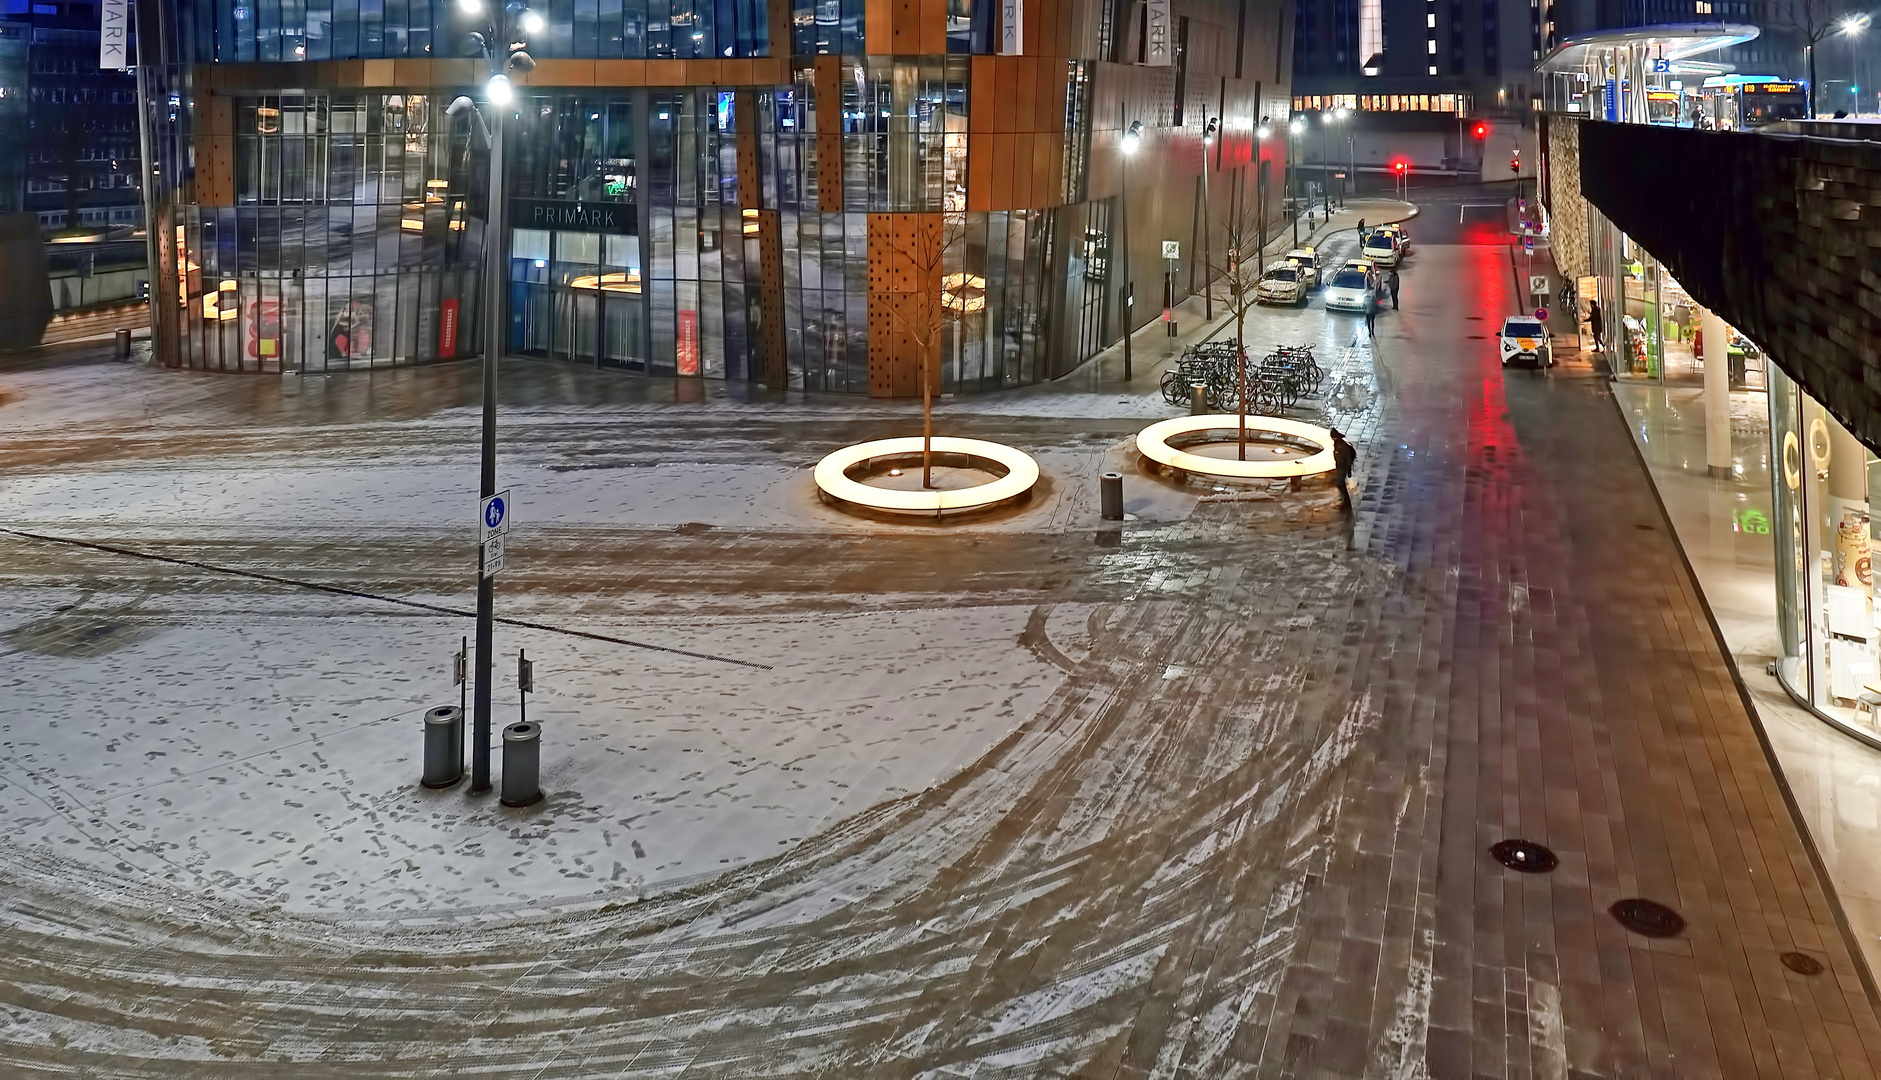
(1391, 282)
(1343, 455)
(1594, 322)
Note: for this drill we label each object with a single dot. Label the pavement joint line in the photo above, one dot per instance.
(341, 590)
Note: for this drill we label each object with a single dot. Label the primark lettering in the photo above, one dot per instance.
(615, 218)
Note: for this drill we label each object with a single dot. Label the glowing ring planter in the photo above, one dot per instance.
(1153, 443)
(832, 476)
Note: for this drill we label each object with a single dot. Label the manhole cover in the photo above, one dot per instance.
(1524, 855)
(1801, 963)
(1648, 918)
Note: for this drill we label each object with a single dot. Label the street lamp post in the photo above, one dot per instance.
(501, 44)
(1260, 191)
(1208, 274)
(1132, 138)
(1294, 128)
(1852, 27)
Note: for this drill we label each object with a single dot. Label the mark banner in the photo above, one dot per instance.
(1159, 46)
(114, 22)
(688, 343)
(1011, 27)
(447, 330)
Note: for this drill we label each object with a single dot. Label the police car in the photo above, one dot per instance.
(1525, 340)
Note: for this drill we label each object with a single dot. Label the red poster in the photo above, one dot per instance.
(688, 343)
(264, 329)
(447, 330)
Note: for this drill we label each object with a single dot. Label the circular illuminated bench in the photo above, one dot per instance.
(1014, 473)
(1154, 443)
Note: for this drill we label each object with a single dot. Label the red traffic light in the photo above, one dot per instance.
(1515, 165)
(1482, 131)
(1398, 166)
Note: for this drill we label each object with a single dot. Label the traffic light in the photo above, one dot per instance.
(1399, 167)
(1515, 163)
(1482, 130)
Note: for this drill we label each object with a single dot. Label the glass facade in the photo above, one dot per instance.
(744, 219)
(1827, 505)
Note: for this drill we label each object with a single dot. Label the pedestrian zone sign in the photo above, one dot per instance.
(493, 516)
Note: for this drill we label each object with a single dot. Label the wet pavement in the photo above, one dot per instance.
(1208, 795)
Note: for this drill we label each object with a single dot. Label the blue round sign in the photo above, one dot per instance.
(493, 513)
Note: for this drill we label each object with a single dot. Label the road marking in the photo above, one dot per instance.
(1478, 205)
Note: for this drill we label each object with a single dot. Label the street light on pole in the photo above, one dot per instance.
(1294, 128)
(1852, 27)
(1132, 138)
(502, 47)
(1260, 190)
(1208, 281)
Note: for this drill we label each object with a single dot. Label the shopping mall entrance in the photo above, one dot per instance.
(579, 297)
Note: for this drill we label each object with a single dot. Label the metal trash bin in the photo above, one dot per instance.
(124, 344)
(1110, 491)
(444, 746)
(1198, 399)
(522, 764)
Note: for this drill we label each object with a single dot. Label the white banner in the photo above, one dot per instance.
(1159, 49)
(1011, 27)
(114, 39)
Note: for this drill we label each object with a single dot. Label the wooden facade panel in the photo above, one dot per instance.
(980, 172)
(877, 28)
(980, 100)
(1000, 190)
(771, 342)
(826, 88)
(379, 73)
(1020, 193)
(905, 259)
(215, 151)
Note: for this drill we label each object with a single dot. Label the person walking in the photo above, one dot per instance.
(1343, 455)
(1371, 315)
(1361, 231)
(1594, 322)
(1391, 282)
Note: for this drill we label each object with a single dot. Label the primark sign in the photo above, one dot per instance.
(114, 35)
(595, 217)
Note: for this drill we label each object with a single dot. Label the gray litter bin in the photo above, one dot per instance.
(1110, 491)
(1198, 399)
(522, 764)
(124, 344)
(444, 746)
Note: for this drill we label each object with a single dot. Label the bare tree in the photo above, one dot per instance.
(1812, 20)
(1237, 268)
(931, 258)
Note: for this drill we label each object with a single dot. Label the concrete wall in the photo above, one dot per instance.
(1567, 210)
(1780, 235)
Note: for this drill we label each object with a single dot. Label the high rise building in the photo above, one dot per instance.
(753, 192)
(75, 164)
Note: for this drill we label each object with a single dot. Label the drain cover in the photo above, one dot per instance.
(1524, 855)
(1801, 963)
(1648, 918)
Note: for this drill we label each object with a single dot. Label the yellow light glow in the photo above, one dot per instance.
(412, 224)
(616, 282)
(963, 293)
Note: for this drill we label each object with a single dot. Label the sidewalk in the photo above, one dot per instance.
(1151, 347)
(1833, 777)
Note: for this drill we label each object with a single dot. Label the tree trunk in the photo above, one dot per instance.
(1240, 362)
(927, 424)
(1809, 61)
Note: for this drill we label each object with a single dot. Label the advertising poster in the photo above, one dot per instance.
(447, 330)
(349, 333)
(688, 343)
(262, 329)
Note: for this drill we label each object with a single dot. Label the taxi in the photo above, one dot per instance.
(1306, 260)
(1524, 339)
(1283, 283)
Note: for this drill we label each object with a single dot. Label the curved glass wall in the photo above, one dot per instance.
(1828, 502)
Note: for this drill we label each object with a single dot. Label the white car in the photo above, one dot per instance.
(1403, 237)
(1351, 289)
(1283, 283)
(1306, 259)
(1380, 247)
(1366, 267)
(1525, 339)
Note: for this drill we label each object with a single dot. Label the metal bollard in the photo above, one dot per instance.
(522, 764)
(124, 344)
(1110, 490)
(1198, 399)
(444, 746)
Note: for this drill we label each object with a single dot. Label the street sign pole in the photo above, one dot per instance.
(493, 521)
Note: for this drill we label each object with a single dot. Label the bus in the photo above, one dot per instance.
(1746, 102)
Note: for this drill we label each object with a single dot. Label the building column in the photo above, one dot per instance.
(1718, 458)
